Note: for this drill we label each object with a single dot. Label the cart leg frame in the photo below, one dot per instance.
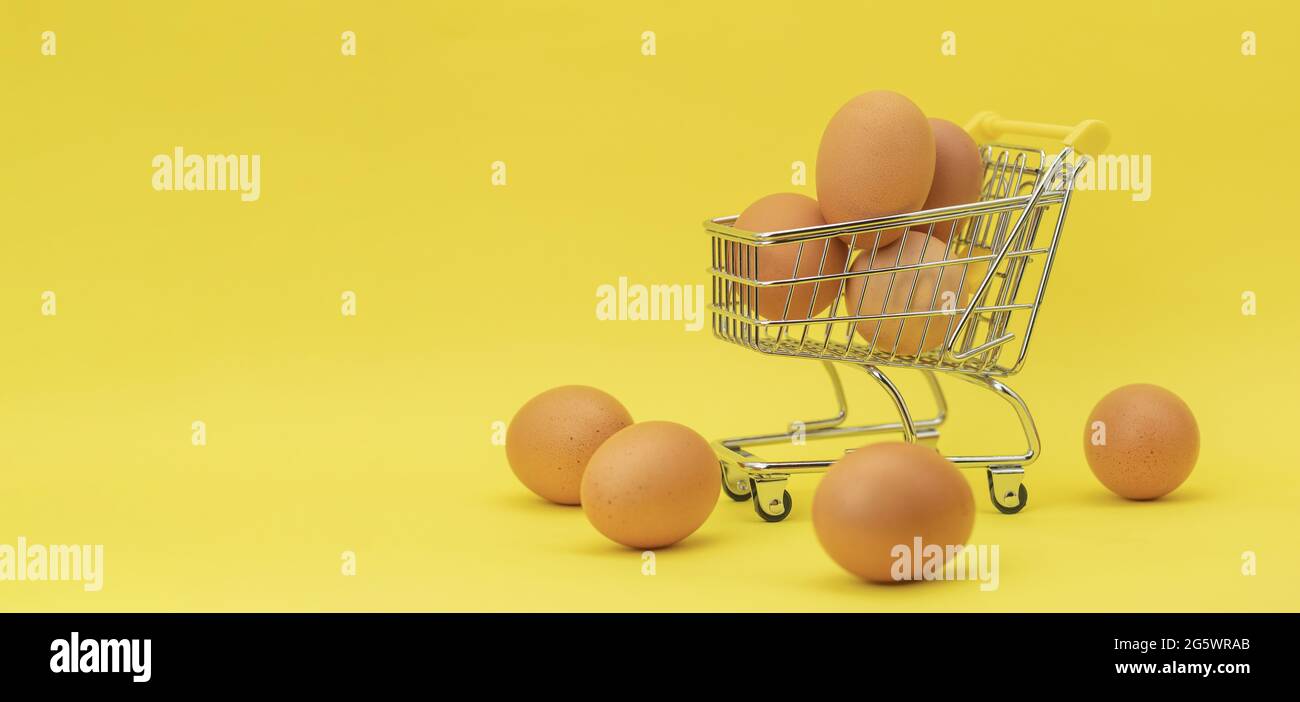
(745, 477)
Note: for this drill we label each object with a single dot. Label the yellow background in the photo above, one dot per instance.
(374, 434)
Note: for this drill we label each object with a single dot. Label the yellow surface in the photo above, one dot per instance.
(374, 434)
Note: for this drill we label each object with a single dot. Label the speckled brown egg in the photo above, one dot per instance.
(926, 290)
(774, 213)
(553, 436)
(887, 495)
(651, 485)
(958, 172)
(1141, 441)
(876, 158)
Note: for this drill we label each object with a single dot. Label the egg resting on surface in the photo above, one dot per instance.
(1146, 444)
(552, 437)
(651, 485)
(886, 495)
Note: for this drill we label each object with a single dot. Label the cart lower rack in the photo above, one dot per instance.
(995, 263)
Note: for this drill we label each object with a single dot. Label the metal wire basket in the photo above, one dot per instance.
(965, 306)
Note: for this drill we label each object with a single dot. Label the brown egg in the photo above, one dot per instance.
(775, 213)
(651, 485)
(935, 289)
(958, 172)
(1141, 441)
(975, 272)
(552, 437)
(876, 158)
(886, 495)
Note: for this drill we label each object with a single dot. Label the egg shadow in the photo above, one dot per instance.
(538, 507)
(1106, 498)
(600, 546)
(530, 503)
(847, 583)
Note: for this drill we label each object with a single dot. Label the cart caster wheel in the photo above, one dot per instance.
(1006, 490)
(1024, 497)
(758, 507)
(727, 488)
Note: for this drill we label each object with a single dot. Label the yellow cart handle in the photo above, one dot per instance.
(1087, 137)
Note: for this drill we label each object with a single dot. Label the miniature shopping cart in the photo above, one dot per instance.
(998, 248)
